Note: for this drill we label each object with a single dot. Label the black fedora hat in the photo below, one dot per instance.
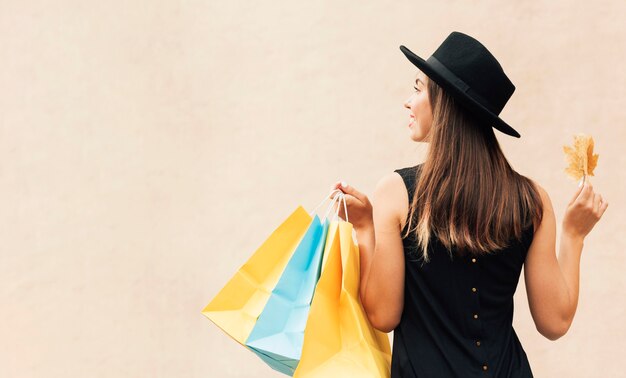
(464, 68)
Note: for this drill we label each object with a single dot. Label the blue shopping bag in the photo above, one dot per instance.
(278, 334)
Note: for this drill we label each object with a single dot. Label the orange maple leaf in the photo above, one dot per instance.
(581, 159)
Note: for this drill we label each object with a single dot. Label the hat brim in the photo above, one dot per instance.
(472, 105)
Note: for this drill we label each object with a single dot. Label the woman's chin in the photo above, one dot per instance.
(415, 137)
(416, 134)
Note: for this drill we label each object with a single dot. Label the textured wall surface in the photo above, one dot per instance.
(147, 148)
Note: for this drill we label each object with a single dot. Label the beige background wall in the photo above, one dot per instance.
(147, 148)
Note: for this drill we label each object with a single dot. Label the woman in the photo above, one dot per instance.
(443, 246)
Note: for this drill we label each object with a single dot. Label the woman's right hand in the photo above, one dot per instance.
(583, 211)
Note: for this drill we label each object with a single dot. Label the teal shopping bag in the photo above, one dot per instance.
(278, 334)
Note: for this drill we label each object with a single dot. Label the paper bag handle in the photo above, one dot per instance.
(337, 195)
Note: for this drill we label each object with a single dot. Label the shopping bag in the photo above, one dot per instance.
(339, 341)
(239, 303)
(278, 334)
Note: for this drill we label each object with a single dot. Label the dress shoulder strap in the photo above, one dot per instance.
(409, 176)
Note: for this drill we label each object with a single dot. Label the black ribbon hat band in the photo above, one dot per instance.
(463, 86)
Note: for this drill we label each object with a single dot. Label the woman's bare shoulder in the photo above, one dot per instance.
(545, 199)
(391, 193)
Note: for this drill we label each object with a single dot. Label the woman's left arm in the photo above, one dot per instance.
(378, 230)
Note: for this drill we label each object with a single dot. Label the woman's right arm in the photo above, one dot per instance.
(552, 285)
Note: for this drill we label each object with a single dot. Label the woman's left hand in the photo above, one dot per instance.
(360, 211)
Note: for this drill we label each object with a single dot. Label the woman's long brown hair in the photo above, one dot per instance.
(467, 195)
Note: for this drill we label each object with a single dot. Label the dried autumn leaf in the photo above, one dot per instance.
(581, 159)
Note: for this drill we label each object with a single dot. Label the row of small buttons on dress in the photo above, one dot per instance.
(474, 290)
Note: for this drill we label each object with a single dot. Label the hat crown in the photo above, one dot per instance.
(473, 63)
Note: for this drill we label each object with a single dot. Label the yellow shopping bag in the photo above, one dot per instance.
(339, 341)
(237, 306)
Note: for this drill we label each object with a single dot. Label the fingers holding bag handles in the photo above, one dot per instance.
(358, 205)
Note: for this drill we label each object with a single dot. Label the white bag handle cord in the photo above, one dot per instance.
(345, 206)
(338, 195)
(324, 200)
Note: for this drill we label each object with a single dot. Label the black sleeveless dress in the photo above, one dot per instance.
(458, 312)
